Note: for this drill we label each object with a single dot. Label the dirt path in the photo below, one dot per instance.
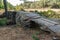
(43, 9)
(13, 33)
(18, 33)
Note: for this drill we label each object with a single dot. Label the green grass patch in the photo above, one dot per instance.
(35, 37)
(3, 21)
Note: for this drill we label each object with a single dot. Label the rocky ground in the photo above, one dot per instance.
(18, 33)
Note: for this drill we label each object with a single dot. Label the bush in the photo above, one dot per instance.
(49, 14)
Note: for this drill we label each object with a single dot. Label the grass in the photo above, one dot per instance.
(35, 37)
(3, 21)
